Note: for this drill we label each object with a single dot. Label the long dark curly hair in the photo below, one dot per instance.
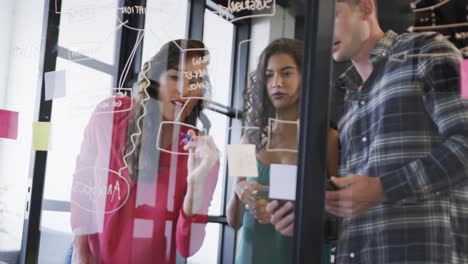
(258, 107)
(140, 153)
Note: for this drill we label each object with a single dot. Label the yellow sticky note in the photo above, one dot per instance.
(41, 135)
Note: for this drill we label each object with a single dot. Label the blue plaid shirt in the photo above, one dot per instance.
(409, 127)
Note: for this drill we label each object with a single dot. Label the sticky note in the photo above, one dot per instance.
(41, 135)
(242, 160)
(283, 181)
(464, 79)
(8, 124)
(54, 85)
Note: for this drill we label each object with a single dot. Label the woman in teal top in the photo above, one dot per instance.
(271, 110)
(260, 243)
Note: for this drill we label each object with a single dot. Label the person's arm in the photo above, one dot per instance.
(235, 207)
(83, 221)
(203, 170)
(81, 251)
(86, 217)
(446, 166)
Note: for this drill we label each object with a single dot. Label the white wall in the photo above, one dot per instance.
(6, 20)
(19, 84)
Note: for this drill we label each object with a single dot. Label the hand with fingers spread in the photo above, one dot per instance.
(282, 217)
(356, 194)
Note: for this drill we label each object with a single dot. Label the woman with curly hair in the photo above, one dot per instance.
(145, 177)
(271, 113)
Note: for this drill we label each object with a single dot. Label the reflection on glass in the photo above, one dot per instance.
(144, 178)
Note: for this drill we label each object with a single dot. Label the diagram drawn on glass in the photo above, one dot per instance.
(91, 193)
(437, 27)
(287, 122)
(404, 56)
(103, 102)
(84, 4)
(115, 105)
(172, 123)
(128, 63)
(86, 50)
(204, 86)
(447, 17)
(258, 8)
(160, 7)
(415, 9)
(80, 12)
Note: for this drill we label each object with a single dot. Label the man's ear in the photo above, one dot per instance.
(367, 8)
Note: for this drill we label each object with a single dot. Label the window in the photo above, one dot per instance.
(21, 27)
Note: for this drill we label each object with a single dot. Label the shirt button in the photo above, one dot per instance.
(364, 139)
(351, 255)
(362, 102)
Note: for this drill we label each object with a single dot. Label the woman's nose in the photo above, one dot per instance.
(183, 88)
(277, 81)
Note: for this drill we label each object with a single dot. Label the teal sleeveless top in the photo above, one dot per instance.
(261, 243)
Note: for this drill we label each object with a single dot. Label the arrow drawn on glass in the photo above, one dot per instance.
(404, 56)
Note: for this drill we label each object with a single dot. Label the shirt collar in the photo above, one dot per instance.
(350, 79)
(383, 46)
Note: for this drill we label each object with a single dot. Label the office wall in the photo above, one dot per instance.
(19, 84)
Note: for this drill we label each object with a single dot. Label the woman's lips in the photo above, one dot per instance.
(178, 103)
(278, 95)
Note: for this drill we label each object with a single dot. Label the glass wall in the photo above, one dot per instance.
(157, 147)
(175, 131)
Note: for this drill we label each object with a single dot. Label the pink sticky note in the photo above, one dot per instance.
(464, 79)
(8, 124)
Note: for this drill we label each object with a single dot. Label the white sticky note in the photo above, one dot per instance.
(54, 85)
(283, 181)
(242, 160)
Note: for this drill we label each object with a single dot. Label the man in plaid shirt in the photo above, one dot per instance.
(404, 145)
